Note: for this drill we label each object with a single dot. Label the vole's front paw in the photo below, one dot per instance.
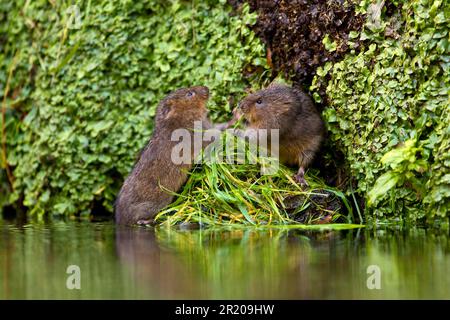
(230, 123)
(237, 114)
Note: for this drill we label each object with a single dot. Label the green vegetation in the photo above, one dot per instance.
(388, 109)
(221, 193)
(78, 99)
(79, 102)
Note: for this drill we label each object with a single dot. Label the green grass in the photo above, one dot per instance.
(230, 194)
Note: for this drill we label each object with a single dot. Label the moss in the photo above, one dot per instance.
(83, 95)
(382, 79)
(388, 110)
(78, 100)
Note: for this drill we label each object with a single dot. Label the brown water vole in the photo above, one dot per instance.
(142, 195)
(290, 110)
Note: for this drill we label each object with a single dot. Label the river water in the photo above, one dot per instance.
(144, 263)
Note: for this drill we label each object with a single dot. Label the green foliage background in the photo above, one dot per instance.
(82, 100)
(79, 102)
(388, 109)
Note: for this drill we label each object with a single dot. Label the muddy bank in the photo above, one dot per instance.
(293, 32)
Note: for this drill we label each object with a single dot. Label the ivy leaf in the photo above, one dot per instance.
(383, 184)
(329, 44)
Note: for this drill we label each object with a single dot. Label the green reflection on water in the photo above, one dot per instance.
(139, 263)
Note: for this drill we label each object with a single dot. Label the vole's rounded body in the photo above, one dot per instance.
(293, 113)
(147, 189)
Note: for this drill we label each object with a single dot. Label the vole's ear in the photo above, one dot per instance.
(274, 83)
(280, 81)
(167, 110)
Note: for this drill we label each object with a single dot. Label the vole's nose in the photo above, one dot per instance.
(204, 91)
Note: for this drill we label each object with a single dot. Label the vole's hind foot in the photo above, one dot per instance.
(300, 178)
(145, 222)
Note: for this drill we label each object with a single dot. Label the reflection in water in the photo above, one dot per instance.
(140, 263)
(153, 267)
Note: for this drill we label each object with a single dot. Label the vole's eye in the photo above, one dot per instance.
(190, 94)
(259, 101)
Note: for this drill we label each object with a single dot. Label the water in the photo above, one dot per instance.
(139, 263)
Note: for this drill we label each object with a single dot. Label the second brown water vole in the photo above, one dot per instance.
(293, 113)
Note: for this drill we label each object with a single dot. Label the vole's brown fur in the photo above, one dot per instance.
(142, 195)
(290, 110)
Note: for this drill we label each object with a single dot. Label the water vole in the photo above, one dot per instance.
(293, 113)
(143, 193)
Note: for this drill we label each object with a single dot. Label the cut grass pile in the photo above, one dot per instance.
(220, 193)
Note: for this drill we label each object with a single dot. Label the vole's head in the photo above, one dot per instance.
(184, 103)
(267, 107)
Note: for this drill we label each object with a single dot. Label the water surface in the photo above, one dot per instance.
(144, 263)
